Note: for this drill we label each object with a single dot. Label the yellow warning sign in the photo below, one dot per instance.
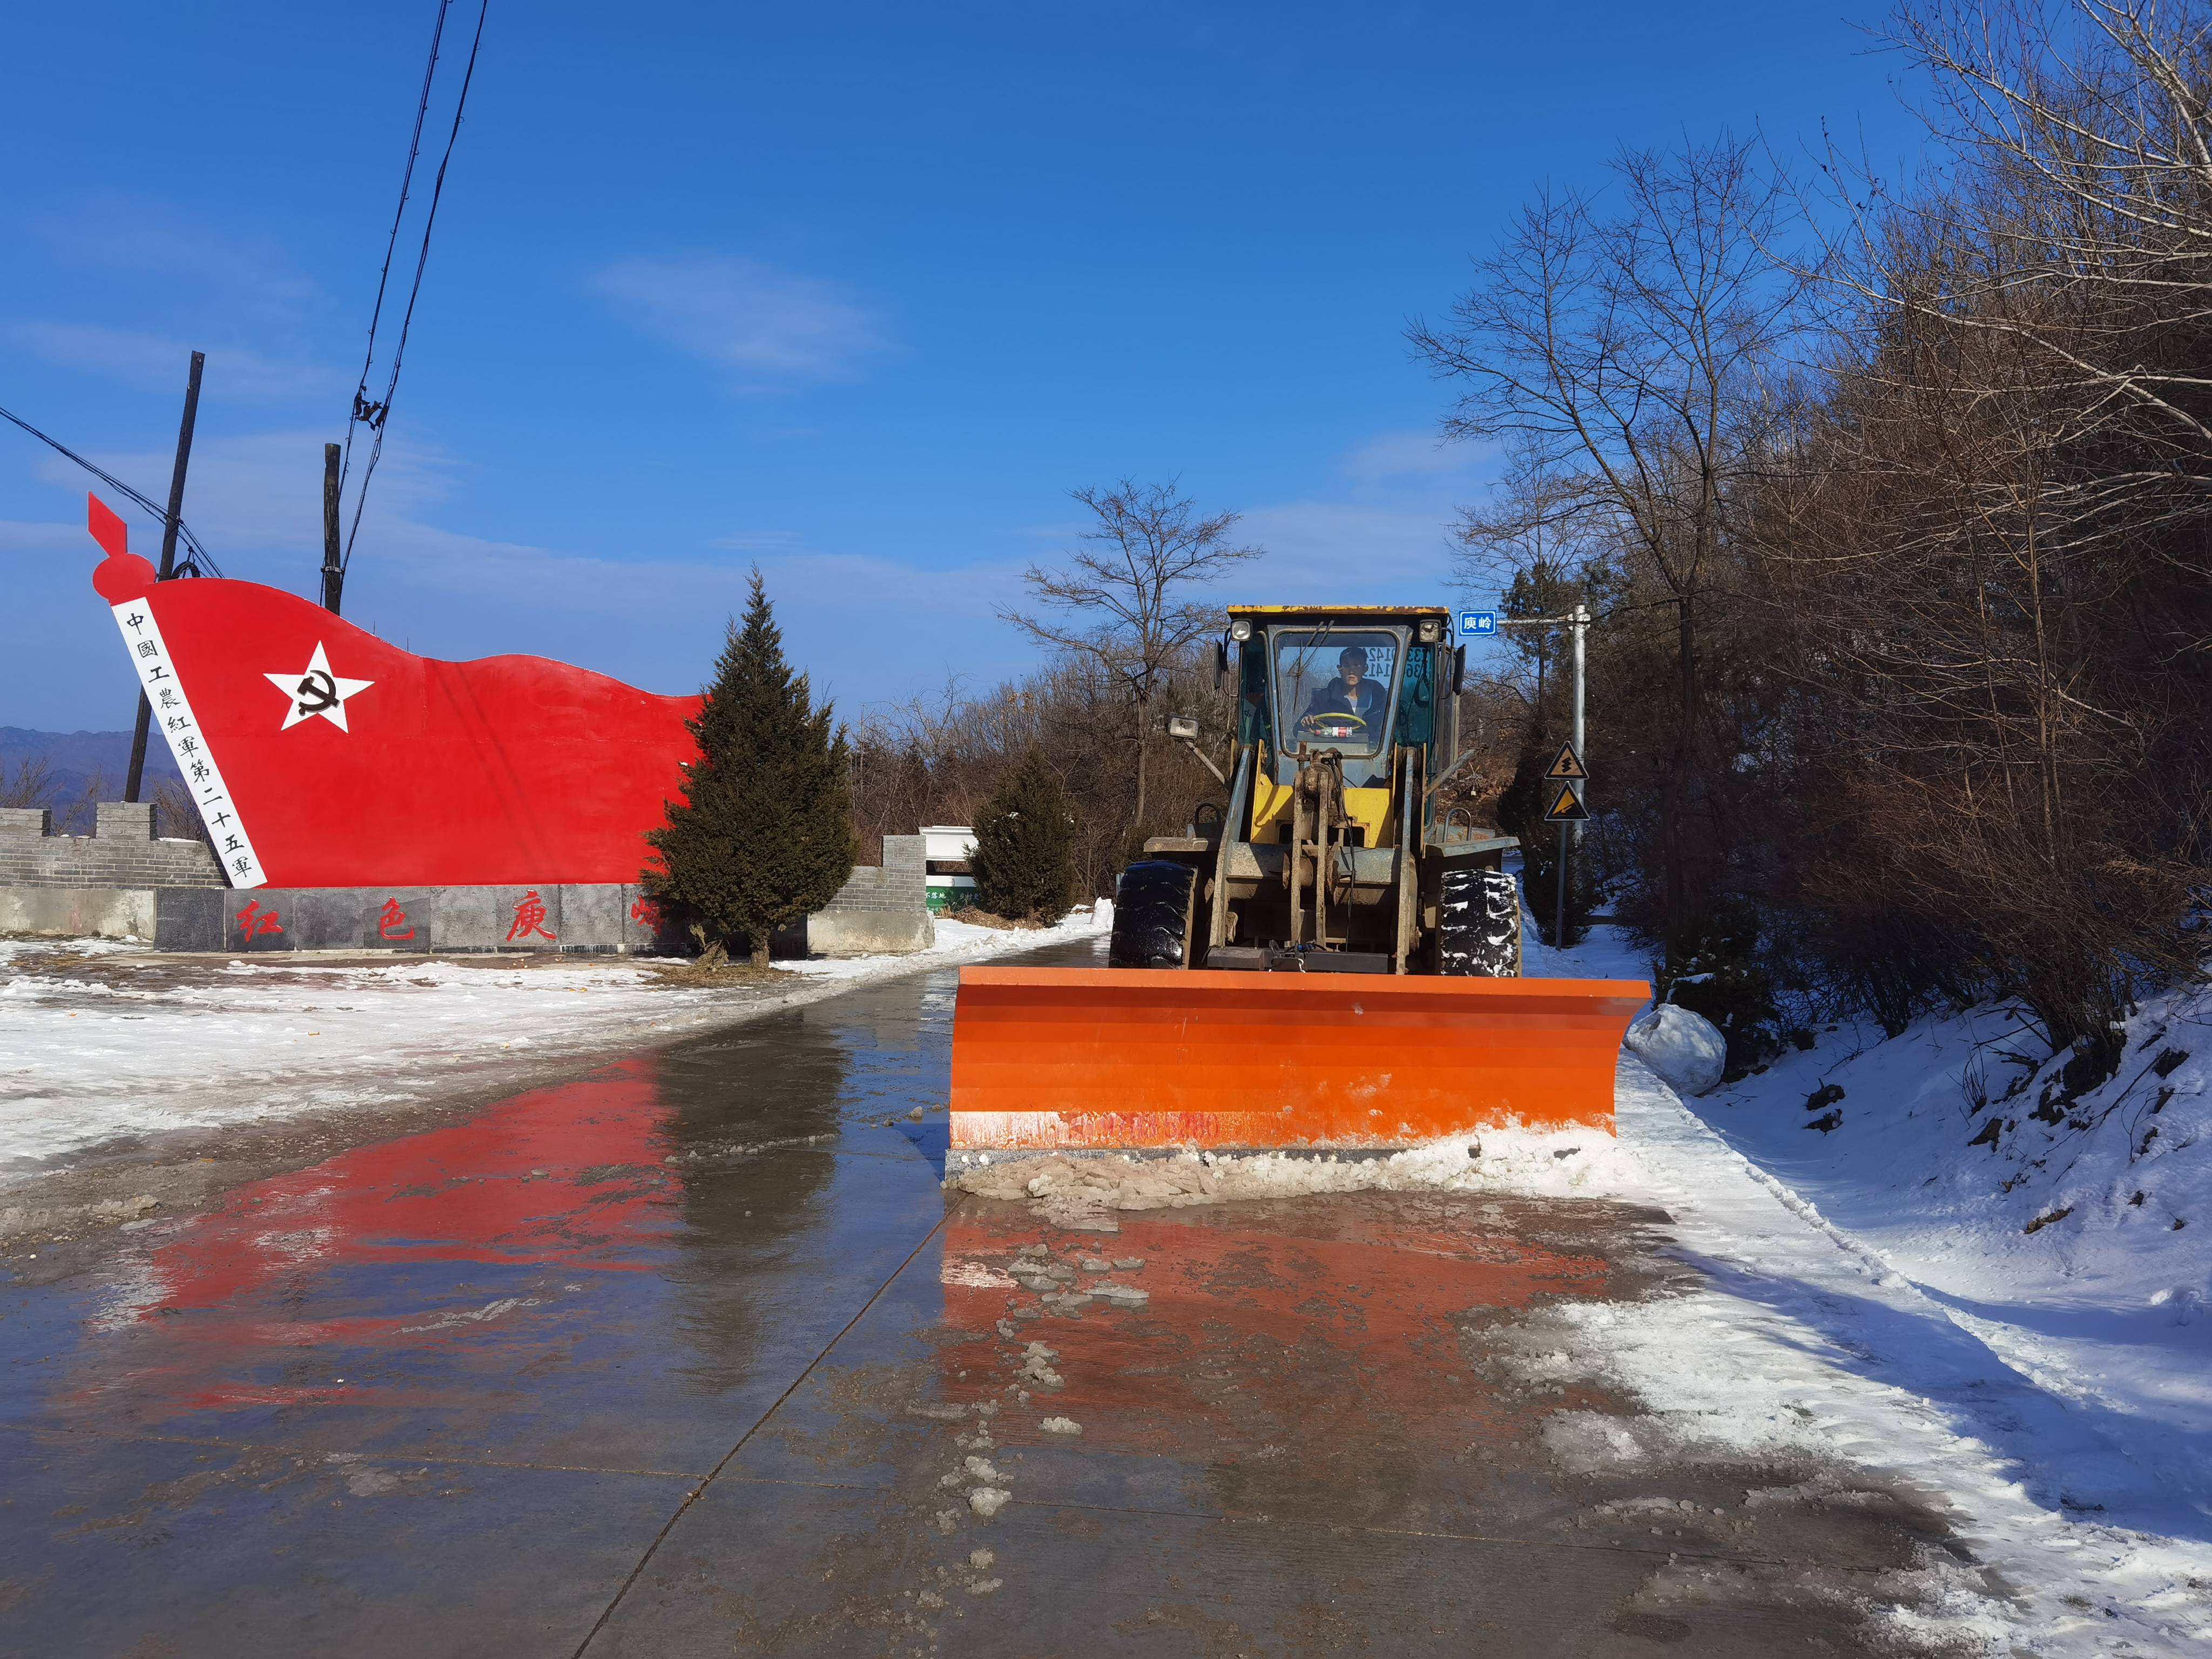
(1567, 808)
(1566, 764)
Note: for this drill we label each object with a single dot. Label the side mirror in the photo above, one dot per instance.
(1458, 669)
(1220, 664)
(1183, 726)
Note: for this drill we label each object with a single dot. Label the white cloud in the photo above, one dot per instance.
(773, 326)
(17, 537)
(762, 542)
(153, 364)
(119, 234)
(265, 490)
(1331, 552)
(1411, 454)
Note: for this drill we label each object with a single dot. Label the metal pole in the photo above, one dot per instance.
(1579, 617)
(333, 579)
(137, 775)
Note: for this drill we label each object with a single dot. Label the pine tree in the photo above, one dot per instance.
(1024, 856)
(764, 833)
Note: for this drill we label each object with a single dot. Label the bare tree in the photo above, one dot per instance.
(2079, 220)
(1629, 350)
(1123, 602)
(31, 784)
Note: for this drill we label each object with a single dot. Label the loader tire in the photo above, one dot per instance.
(1478, 924)
(1152, 915)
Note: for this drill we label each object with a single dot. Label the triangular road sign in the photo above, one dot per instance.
(1566, 764)
(1567, 806)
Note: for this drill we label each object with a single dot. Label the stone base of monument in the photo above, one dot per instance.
(577, 919)
(83, 887)
(593, 919)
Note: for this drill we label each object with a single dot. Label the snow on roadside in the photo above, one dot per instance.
(2073, 1237)
(1803, 1341)
(215, 1041)
(1888, 1293)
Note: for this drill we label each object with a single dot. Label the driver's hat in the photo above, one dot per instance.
(1352, 656)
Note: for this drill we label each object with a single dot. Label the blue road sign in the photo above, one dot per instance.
(1477, 622)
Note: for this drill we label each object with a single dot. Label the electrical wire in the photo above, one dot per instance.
(374, 415)
(364, 411)
(198, 564)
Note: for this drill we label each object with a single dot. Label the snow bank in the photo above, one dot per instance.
(961, 941)
(1684, 1049)
(2071, 1238)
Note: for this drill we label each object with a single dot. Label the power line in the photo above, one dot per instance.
(362, 409)
(198, 563)
(373, 415)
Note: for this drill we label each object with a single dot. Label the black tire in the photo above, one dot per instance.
(1151, 914)
(1478, 923)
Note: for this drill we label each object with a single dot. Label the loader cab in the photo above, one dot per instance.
(1355, 686)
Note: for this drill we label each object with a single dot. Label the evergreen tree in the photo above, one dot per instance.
(764, 833)
(1024, 856)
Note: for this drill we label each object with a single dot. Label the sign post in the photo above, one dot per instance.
(1563, 781)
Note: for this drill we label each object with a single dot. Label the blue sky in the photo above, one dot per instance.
(856, 292)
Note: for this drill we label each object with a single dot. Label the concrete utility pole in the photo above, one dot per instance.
(1579, 620)
(138, 773)
(333, 578)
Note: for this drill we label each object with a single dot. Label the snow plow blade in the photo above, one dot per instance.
(1089, 1058)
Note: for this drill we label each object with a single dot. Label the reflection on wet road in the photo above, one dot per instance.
(689, 1356)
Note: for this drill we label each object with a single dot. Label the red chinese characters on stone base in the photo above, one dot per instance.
(353, 763)
(530, 920)
(253, 921)
(392, 921)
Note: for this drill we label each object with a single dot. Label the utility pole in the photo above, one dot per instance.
(1578, 619)
(137, 775)
(333, 578)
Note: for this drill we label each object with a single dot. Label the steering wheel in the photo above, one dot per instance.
(1319, 724)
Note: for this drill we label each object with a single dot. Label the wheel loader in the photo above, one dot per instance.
(1327, 962)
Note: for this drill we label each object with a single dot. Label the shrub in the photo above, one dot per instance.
(1024, 861)
(764, 833)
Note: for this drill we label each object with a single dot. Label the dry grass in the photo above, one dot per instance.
(1002, 924)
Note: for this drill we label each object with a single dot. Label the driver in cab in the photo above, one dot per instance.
(1350, 693)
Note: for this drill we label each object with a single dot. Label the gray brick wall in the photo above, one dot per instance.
(900, 882)
(122, 853)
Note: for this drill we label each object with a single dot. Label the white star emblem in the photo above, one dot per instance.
(317, 691)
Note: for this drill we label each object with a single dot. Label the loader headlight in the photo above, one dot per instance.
(1432, 630)
(1240, 629)
(1183, 726)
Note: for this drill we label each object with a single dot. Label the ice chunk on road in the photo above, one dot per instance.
(988, 1501)
(1061, 1425)
(1684, 1049)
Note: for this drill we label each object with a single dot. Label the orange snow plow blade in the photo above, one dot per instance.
(1068, 1059)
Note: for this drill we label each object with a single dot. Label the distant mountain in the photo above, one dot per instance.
(77, 761)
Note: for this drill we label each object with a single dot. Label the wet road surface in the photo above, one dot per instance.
(692, 1356)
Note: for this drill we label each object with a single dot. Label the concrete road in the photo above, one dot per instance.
(691, 1356)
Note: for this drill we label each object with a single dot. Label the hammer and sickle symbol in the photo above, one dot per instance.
(317, 692)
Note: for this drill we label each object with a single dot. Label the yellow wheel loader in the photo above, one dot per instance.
(1329, 961)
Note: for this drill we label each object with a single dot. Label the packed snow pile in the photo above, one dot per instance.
(1085, 1192)
(1686, 1048)
(962, 941)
